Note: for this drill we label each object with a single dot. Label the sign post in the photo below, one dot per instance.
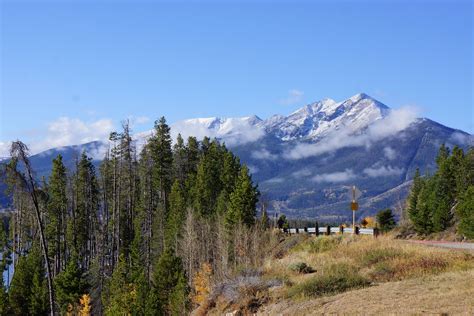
(354, 207)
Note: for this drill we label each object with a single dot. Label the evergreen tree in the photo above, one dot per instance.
(192, 155)
(176, 215)
(282, 222)
(413, 197)
(57, 211)
(180, 160)
(208, 182)
(465, 211)
(4, 265)
(169, 284)
(4, 304)
(70, 285)
(228, 175)
(444, 190)
(86, 206)
(28, 293)
(121, 298)
(386, 220)
(423, 222)
(162, 172)
(243, 200)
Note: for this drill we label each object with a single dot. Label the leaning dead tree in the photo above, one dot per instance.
(19, 154)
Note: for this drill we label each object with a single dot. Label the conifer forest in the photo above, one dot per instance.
(134, 235)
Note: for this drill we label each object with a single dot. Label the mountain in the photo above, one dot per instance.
(306, 162)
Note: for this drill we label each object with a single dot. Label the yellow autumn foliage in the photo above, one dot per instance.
(368, 221)
(202, 283)
(85, 305)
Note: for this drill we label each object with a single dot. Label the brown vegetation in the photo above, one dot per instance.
(345, 266)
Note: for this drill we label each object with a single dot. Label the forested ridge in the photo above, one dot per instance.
(444, 199)
(136, 236)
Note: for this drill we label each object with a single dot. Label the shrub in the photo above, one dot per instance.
(301, 267)
(386, 220)
(376, 255)
(336, 279)
(319, 244)
(382, 272)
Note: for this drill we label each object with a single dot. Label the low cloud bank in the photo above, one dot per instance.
(396, 121)
(335, 177)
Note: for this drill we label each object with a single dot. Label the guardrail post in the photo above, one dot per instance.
(305, 229)
(297, 230)
(357, 230)
(376, 232)
(328, 230)
(341, 229)
(316, 229)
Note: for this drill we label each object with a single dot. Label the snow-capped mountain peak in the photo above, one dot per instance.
(312, 121)
(317, 119)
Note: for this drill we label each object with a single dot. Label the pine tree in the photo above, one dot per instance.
(57, 211)
(243, 200)
(122, 294)
(162, 171)
(28, 294)
(282, 222)
(413, 211)
(208, 183)
(176, 215)
(423, 222)
(70, 285)
(386, 220)
(4, 304)
(169, 284)
(465, 211)
(444, 190)
(180, 160)
(85, 215)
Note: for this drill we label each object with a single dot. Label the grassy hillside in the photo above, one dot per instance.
(307, 274)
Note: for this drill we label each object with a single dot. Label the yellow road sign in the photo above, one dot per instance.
(354, 206)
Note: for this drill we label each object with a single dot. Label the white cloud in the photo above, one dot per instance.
(4, 149)
(396, 121)
(274, 180)
(69, 131)
(390, 153)
(336, 177)
(294, 96)
(463, 139)
(138, 120)
(233, 131)
(301, 173)
(263, 154)
(383, 171)
(66, 131)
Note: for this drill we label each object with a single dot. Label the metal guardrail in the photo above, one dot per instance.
(327, 230)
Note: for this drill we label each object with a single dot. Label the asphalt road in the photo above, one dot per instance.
(445, 244)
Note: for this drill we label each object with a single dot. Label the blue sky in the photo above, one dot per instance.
(82, 66)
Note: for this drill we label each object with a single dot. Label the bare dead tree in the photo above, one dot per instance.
(19, 152)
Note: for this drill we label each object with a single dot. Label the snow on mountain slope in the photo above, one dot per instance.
(313, 121)
(316, 120)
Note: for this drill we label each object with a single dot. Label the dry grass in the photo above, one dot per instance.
(383, 259)
(344, 264)
(449, 293)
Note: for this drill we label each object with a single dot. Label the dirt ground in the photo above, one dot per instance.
(448, 293)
